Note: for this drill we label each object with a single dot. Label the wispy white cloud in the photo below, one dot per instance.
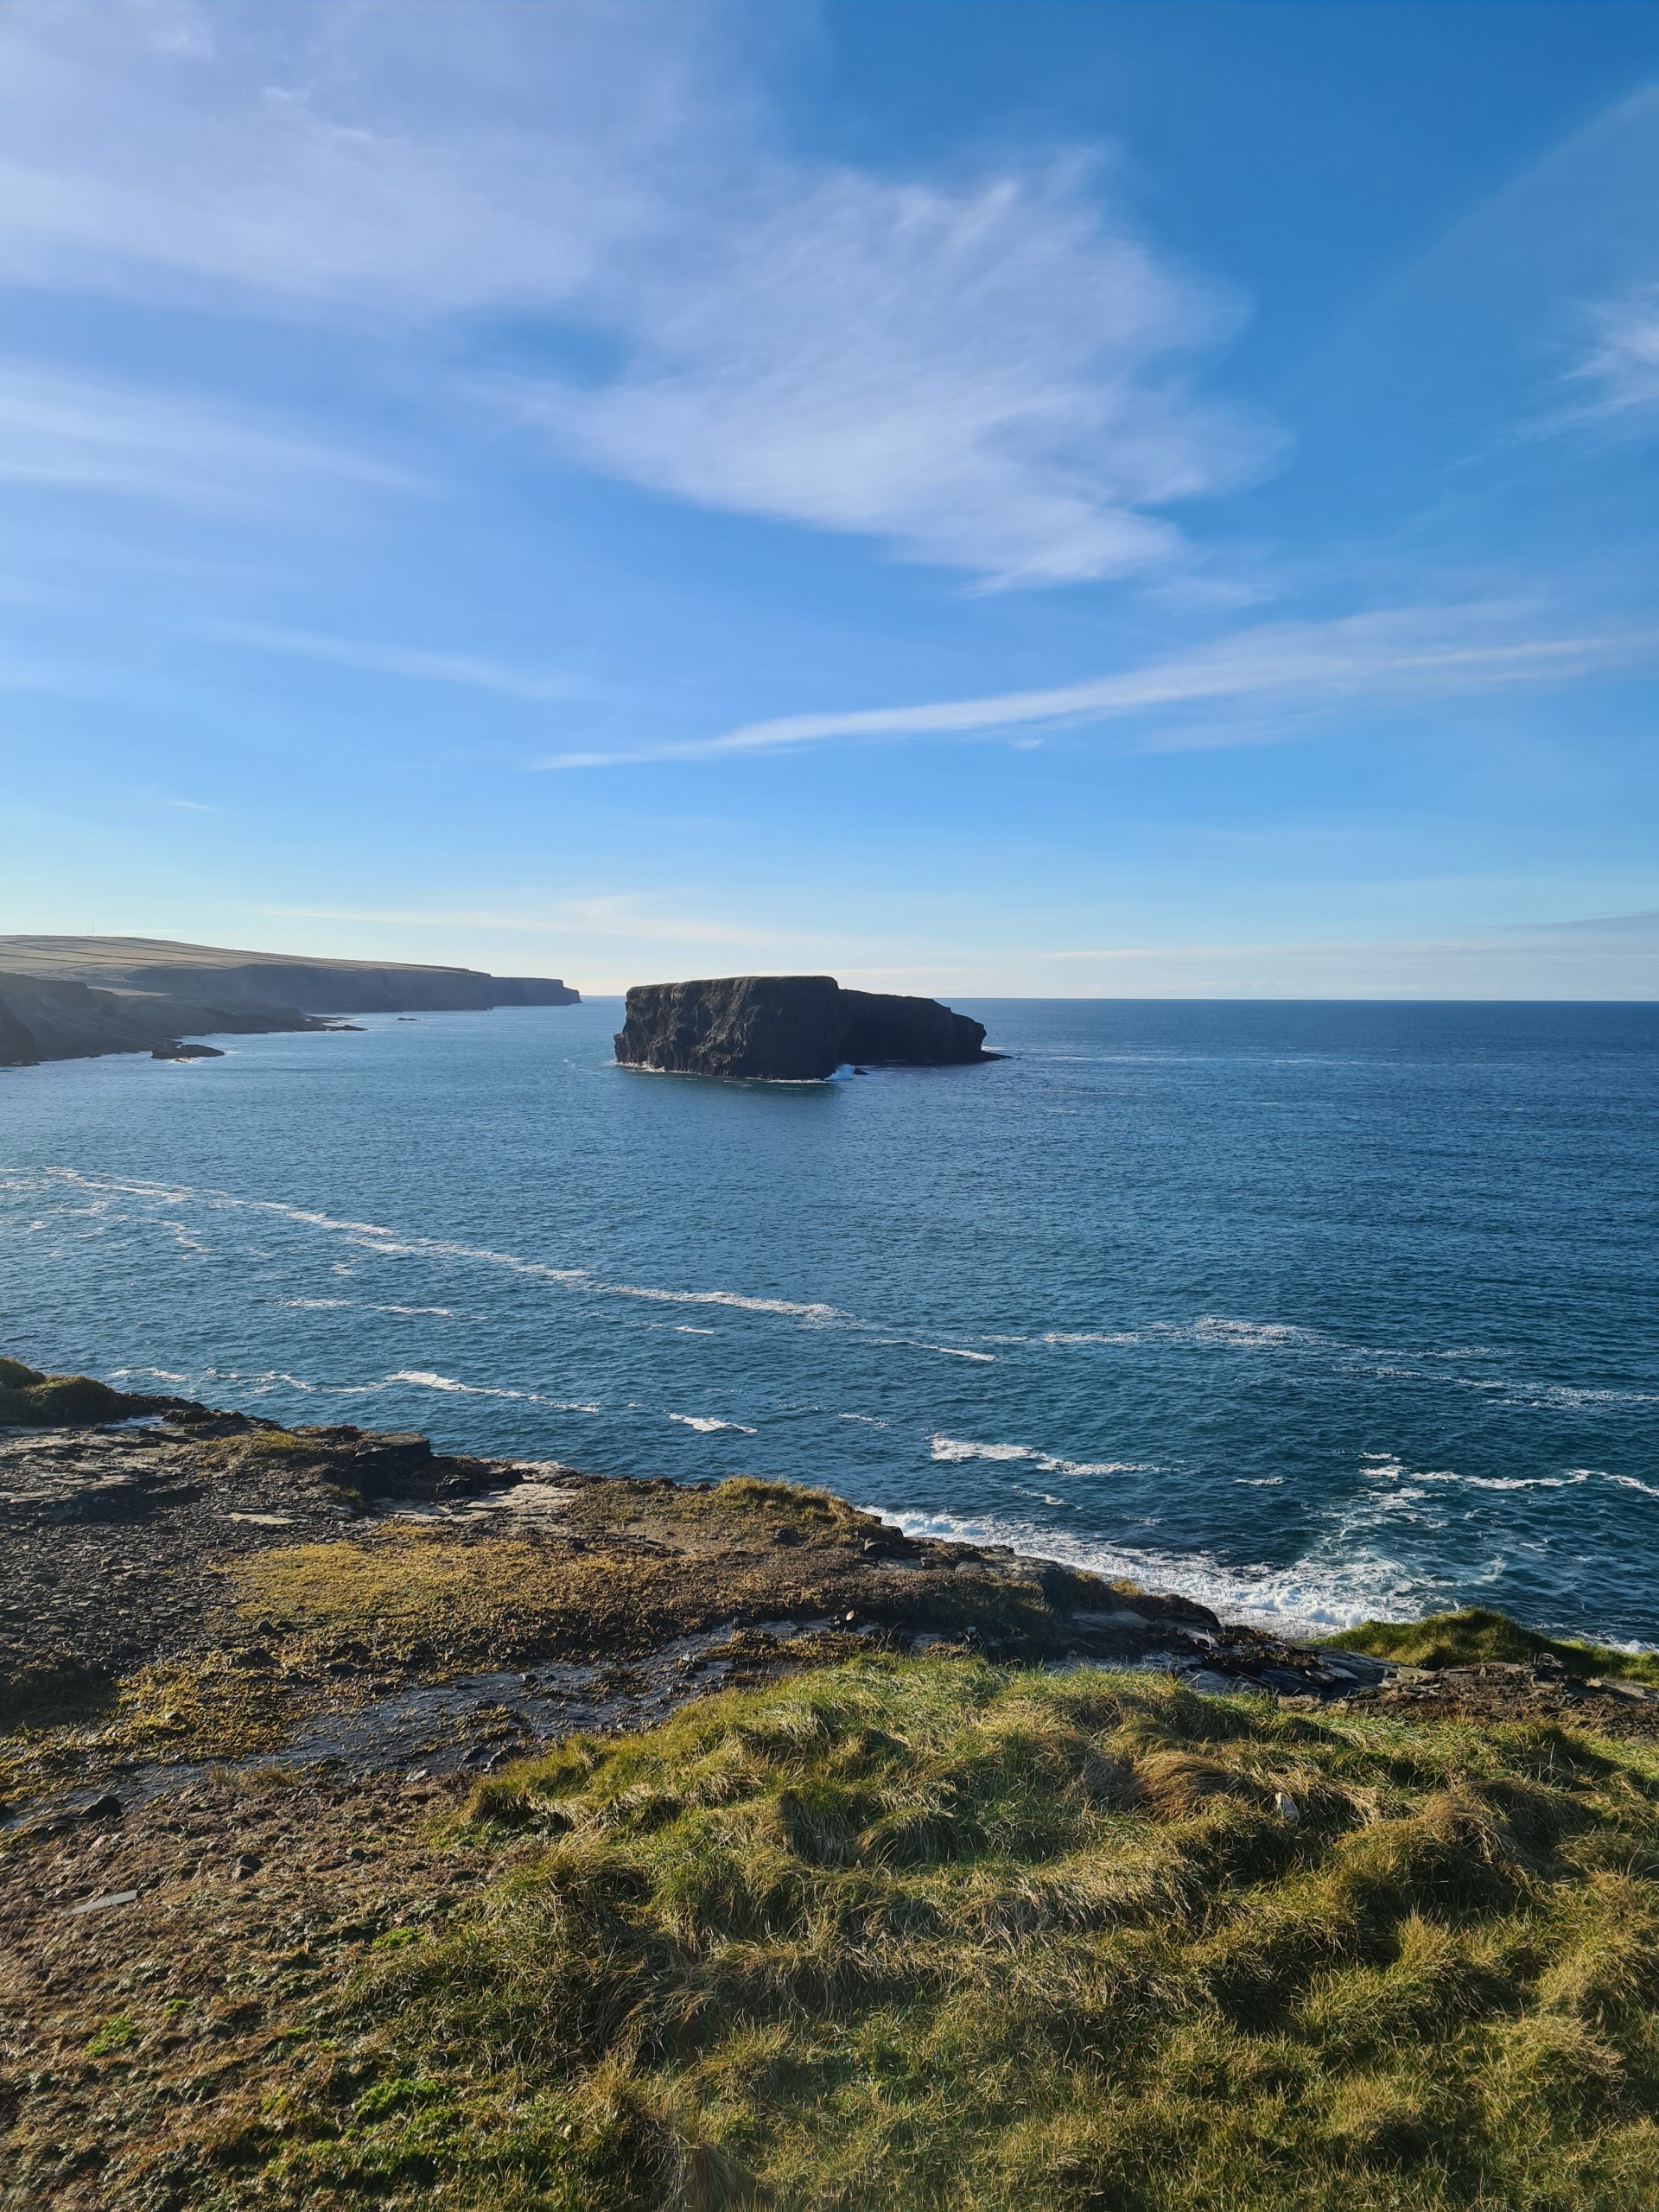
(1544, 964)
(989, 377)
(1642, 924)
(406, 661)
(84, 435)
(992, 374)
(354, 161)
(1292, 666)
(623, 916)
(1620, 376)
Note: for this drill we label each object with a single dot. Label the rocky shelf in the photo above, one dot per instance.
(206, 1585)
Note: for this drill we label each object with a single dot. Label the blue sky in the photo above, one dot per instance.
(1040, 499)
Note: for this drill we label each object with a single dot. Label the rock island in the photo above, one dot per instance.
(788, 1029)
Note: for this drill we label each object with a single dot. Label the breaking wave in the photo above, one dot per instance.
(954, 1449)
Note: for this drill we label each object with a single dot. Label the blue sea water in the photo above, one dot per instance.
(1317, 1312)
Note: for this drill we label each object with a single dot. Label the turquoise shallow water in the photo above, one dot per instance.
(1313, 1311)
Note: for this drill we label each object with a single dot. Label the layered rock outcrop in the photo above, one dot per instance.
(787, 1029)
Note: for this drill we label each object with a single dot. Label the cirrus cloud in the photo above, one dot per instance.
(1296, 669)
(995, 373)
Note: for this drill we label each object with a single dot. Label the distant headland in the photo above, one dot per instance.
(788, 1029)
(64, 998)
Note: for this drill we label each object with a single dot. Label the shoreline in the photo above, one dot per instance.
(142, 1534)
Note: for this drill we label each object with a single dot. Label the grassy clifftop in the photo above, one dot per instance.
(925, 1934)
(1481, 1637)
(295, 1917)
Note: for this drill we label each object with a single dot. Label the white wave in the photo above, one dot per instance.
(426, 1379)
(1218, 1331)
(951, 1448)
(1215, 1328)
(1510, 1482)
(364, 1305)
(1629, 1482)
(706, 1424)
(740, 1299)
(1313, 1594)
(1569, 1396)
(272, 1378)
(375, 1236)
(1574, 1479)
(1205, 1329)
(954, 1449)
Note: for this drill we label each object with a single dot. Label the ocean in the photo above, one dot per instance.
(1315, 1312)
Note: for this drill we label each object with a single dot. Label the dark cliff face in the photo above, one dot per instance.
(42, 1019)
(70, 998)
(216, 977)
(787, 1029)
(320, 987)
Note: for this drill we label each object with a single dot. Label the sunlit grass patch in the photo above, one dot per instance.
(1479, 1636)
(932, 1935)
(408, 1588)
(721, 1509)
(193, 1710)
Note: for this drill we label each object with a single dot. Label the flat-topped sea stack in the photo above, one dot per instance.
(788, 1029)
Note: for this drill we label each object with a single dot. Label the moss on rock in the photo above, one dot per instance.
(61, 1400)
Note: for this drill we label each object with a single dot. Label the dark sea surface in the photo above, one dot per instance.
(1313, 1310)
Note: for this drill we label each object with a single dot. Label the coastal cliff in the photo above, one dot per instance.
(73, 998)
(787, 1029)
(43, 1019)
(381, 1823)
